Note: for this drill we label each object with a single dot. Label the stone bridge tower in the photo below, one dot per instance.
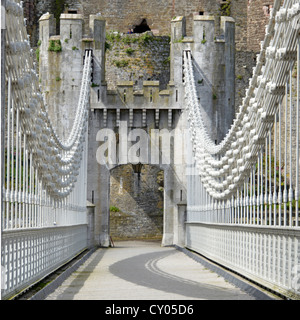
(138, 127)
(213, 51)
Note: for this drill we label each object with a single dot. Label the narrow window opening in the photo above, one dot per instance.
(72, 11)
(201, 13)
(151, 95)
(98, 92)
(176, 95)
(70, 31)
(124, 95)
(203, 33)
(180, 195)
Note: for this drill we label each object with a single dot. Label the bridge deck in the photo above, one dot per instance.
(145, 271)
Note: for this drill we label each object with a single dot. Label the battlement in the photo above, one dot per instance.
(206, 29)
(71, 29)
(127, 96)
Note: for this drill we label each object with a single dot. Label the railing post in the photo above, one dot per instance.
(90, 228)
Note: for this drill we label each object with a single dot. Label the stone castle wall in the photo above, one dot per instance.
(258, 16)
(138, 58)
(250, 15)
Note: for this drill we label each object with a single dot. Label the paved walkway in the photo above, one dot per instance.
(144, 271)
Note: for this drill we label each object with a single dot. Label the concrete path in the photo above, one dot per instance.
(144, 271)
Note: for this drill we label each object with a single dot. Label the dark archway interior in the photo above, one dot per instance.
(136, 202)
(142, 27)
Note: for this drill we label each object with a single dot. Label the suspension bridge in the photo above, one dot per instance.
(242, 193)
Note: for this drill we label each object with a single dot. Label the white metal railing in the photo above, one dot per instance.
(246, 189)
(43, 218)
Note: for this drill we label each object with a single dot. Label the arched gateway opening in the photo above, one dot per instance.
(136, 202)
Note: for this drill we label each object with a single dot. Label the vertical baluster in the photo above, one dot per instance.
(17, 171)
(31, 218)
(279, 167)
(262, 188)
(297, 136)
(26, 188)
(290, 155)
(275, 172)
(23, 184)
(251, 197)
(8, 156)
(35, 198)
(254, 195)
(258, 188)
(20, 183)
(270, 178)
(244, 202)
(285, 159)
(12, 187)
(232, 210)
(247, 202)
(266, 183)
(238, 206)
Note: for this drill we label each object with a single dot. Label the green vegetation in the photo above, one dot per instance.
(129, 51)
(167, 61)
(121, 63)
(225, 9)
(37, 54)
(55, 45)
(203, 41)
(113, 36)
(178, 41)
(37, 51)
(114, 209)
(58, 78)
(145, 38)
(239, 77)
(128, 39)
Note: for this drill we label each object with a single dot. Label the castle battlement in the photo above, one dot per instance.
(206, 29)
(125, 96)
(71, 31)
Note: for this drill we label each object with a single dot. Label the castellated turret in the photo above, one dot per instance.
(212, 46)
(61, 59)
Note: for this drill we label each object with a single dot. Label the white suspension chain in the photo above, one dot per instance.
(238, 151)
(57, 162)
